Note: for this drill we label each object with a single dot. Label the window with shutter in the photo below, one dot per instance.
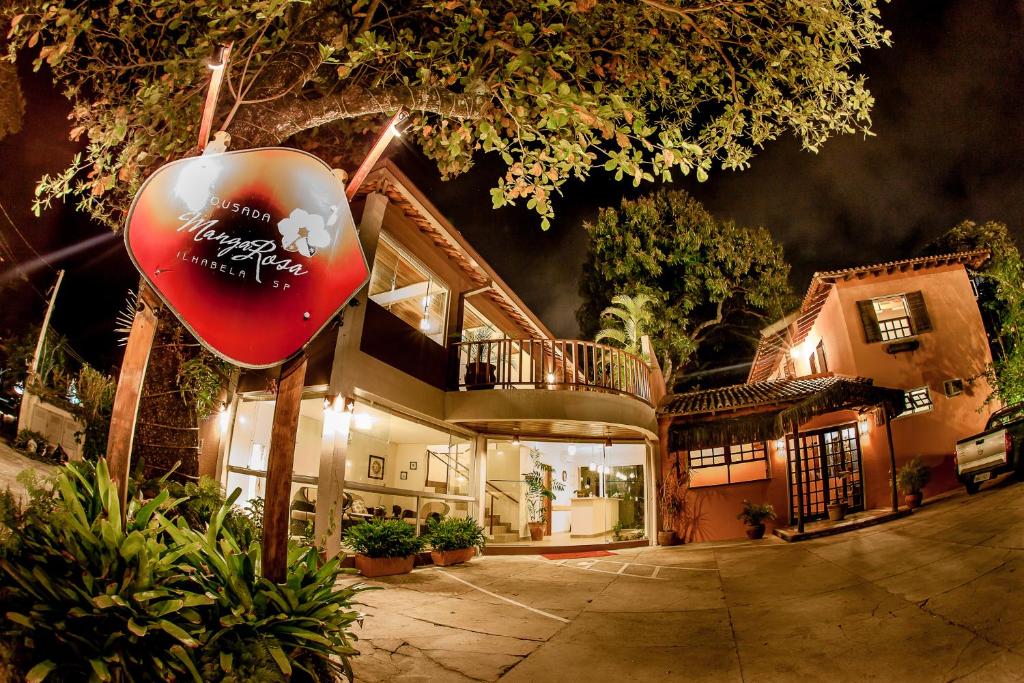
(918, 312)
(870, 321)
(403, 285)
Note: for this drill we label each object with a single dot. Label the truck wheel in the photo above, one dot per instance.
(972, 487)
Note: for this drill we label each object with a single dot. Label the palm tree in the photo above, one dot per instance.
(631, 319)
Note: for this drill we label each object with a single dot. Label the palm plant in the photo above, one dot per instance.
(630, 318)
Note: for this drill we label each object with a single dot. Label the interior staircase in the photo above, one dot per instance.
(503, 531)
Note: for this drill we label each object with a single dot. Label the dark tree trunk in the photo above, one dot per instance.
(167, 431)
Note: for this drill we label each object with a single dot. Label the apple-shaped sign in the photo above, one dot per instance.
(255, 251)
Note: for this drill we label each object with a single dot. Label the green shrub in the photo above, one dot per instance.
(89, 597)
(384, 538)
(455, 534)
(752, 514)
(913, 476)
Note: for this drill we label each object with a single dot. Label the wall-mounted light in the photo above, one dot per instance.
(362, 421)
(865, 425)
(780, 445)
(608, 442)
(515, 441)
(550, 377)
(572, 449)
(223, 417)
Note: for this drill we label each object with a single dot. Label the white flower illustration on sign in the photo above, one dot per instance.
(303, 232)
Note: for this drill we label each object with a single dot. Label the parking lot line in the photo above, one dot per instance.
(503, 598)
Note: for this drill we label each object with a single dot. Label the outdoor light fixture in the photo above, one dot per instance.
(363, 421)
(515, 441)
(425, 324)
(223, 417)
(608, 442)
(864, 426)
(550, 377)
(780, 444)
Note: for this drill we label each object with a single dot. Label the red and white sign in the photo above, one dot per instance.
(255, 251)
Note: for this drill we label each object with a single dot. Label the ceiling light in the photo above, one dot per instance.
(572, 449)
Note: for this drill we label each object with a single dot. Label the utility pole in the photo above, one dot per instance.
(22, 412)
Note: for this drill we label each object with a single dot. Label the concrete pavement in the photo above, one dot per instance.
(937, 596)
(13, 463)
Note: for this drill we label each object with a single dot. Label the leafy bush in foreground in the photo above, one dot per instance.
(89, 597)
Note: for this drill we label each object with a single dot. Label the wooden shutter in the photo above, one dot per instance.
(870, 321)
(919, 317)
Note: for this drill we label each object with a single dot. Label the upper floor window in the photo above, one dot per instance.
(728, 464)
(817, 360)
(402, 284)
(894, 317)
(917, 401)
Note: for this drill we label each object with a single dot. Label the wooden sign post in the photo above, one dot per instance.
(129, 390)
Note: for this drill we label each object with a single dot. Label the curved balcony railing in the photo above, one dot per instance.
(552, 364)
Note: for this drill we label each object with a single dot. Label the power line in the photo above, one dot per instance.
(23, 239)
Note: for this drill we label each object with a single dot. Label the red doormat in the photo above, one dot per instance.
(576, 556)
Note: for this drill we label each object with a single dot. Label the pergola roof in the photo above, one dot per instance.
(773, 342)
(762, 411)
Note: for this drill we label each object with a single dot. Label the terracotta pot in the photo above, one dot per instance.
(443, 558)
(836, 512)
(536, 531)
(755, 531)
(371, 567)
(913, 500)
(666, 538)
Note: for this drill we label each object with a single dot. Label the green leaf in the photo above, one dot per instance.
(177, 632)
(99, 667)
(278, 654)
(40, 671)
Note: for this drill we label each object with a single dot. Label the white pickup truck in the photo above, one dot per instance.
(981, 457)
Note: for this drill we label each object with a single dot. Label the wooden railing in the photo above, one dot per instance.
(553, 364)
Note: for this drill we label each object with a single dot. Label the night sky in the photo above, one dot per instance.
(948, 145)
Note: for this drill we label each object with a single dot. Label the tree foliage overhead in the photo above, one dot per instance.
(642, 89)
(705, 276)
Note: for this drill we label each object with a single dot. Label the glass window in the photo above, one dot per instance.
(250, 448)
(728, 464)
(395, 452)
(893, 317)
(917, 401)
(402, 284)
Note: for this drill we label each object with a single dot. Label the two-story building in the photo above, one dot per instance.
(434, 388)
(880, 364)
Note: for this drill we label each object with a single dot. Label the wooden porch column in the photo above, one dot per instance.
(892, 458)
(276, 514)
(799, 478)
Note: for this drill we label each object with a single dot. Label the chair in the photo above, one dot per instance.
(433, 510)
(303, 510)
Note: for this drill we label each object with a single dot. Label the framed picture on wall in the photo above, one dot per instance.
(375, 467)
(413, 465)
(403, 475)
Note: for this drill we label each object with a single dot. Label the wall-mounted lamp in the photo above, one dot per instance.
(550, 377)
(515, 441)
(223, 417)
(780, 445)
(864, 425)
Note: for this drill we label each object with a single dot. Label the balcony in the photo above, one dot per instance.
(549, 364)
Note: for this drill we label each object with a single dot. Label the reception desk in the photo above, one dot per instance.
(593, 516)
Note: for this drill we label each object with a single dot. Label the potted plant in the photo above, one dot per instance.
(454, 540)
(911, 479)
(671, 507)
(384, 546)
(538, 493)
(481, 372)
(836, 510)
(754, 516)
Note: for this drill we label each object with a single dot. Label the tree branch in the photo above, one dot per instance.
(261, 125)
(695, 334)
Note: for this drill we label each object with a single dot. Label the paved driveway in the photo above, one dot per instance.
(937, 596)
